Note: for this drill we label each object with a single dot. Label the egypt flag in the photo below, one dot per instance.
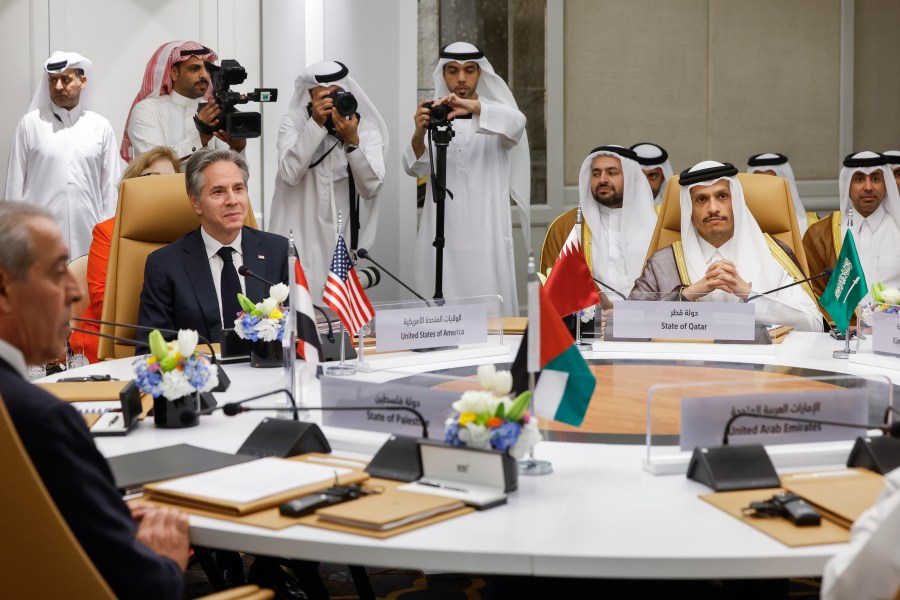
(570, 286)
(565, 383)
(308, 346)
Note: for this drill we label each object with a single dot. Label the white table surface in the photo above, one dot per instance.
(598, 515)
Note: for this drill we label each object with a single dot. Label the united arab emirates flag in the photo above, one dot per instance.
(847, 286)
(564, 381)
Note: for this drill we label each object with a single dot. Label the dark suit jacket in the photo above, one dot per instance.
(179, 292)
(80, 483)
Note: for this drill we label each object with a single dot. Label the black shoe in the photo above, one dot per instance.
(267, 573)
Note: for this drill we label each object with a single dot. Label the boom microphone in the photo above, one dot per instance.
(363, 253)
(892, 430)
(825, 273)
(611, 288)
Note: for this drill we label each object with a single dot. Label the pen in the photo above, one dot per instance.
(443, 487)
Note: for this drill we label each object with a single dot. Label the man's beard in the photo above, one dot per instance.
(614, 201)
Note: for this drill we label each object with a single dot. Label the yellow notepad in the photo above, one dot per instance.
(387, 511)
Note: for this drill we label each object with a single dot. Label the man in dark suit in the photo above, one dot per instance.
(140, 553)
(193, 283)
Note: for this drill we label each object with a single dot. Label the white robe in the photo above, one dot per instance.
(478, 256)
(167, 121)
(307, 202)
(66, 162)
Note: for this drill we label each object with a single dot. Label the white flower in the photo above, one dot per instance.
(267, 306)
(529, 436)
(891, 296)
(279, 293)
(174, 385)
(268, 330)
(503, 383)
(473, 402)
(475, 436)
(213, 379)
(587, 315)
(187, 342)
(486, 376)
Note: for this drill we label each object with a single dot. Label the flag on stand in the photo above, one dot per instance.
(343, 292)
(565, 384)
(308, 345)
(570, 286)
(847, 286)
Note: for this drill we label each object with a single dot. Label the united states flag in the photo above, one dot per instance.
(343, 292)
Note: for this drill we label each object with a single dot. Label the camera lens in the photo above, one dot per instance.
(439, 115)
(344, 102)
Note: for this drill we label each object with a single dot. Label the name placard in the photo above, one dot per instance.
(886, 333)
(703, 419)
(732, 321)
(430, 327)
(435, 405)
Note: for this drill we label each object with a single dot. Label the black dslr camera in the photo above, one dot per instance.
(236, 124)
(439, 115)
(344, 102)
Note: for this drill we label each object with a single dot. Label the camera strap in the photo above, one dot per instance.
(354, 210)
(321, 158)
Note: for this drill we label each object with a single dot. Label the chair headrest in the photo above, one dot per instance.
(144, 199)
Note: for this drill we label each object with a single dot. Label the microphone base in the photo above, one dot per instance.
(732, 468)
(224, 381)
(284, 438)
(878, 454)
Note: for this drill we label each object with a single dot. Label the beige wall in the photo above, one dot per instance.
(876, 106)
(707, 79)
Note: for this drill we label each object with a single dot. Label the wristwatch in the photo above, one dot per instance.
(350, 148)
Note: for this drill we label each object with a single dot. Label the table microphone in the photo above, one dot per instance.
(363, 253)
(825, 273)
(224, 380)
(610, 288)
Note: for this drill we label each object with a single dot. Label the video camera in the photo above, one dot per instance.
(439, 115)
(238, 125)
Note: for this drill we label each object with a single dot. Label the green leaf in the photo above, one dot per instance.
(158, 346)
(501, 409)
(877, 289)
(245, 302)
(168, 363)
(519, 406)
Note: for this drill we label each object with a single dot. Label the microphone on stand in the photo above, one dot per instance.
(224, 380)
(611, 288)
(363, 253)
(244, 271)
(825, 273)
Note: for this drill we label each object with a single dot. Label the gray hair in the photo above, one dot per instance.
(197, 163)
(16, 254)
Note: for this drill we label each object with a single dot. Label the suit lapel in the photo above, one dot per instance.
(255, 259)
(196, 265)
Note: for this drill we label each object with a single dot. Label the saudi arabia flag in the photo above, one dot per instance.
(847, 286)
(565, 383)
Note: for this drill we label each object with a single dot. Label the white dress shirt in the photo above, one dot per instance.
(167, 121)
(878, 244)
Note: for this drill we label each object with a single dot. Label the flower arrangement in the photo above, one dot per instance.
(262, 322)
(884, 300)
(175, 369)
(489, 418)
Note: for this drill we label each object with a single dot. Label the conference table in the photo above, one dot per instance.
(598, 515)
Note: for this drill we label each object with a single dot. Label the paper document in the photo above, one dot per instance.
(97, 406)
(253, 480)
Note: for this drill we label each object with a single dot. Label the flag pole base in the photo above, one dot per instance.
(842, 353)
(531, 466)
(341, 370)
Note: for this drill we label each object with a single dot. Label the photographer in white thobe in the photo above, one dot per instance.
(63, 155)
(487, 164)
(324, 158)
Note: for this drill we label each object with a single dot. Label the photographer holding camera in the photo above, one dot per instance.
(487, 163)
(331, 153)
(175, 82)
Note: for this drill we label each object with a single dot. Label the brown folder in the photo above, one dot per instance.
(386, 511)
(777, 527)
(839, 495)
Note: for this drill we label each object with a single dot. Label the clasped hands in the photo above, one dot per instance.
(721, 275)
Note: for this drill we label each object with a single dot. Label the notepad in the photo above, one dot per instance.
(383, 512)
(252, 481)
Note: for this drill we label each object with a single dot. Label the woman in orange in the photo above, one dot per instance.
(157, 161)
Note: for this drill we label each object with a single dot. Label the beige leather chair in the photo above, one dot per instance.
(78, 268)
(767, 197)
(41, 557)
(152, 212)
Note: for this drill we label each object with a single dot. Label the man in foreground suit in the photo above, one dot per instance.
(193, 283)
(140, 554)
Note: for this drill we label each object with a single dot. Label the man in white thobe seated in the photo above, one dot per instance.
(618, 219)
(329, 162)
(63, 155)
(723, 255)
(777, 165)
(487, 164)
(870, 208)
(893, 160)
(167, 108)
(654, 161)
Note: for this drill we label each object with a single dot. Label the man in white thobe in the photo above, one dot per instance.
(654, 161)
(487, 164)
(616, 202)
(63, 155)
(319, 151)
(723, 255)
(175, 82)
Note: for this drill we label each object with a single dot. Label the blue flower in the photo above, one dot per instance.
(505, 436)
(451, 435)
